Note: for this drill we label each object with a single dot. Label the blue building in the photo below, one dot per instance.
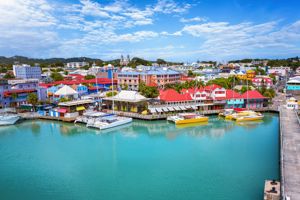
(27, 72)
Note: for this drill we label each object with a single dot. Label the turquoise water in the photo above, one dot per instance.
(145, 160)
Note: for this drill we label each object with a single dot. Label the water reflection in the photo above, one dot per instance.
(215, 128)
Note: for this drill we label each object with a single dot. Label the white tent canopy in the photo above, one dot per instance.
(65, 91)
(129, 96)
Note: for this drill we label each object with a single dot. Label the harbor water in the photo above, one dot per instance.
(156, 160)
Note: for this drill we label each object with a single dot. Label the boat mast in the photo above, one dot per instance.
(247, 96)
(112, 92)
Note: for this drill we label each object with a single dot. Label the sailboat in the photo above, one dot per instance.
(109, 121)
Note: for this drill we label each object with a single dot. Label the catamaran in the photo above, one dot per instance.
(108, 120)
(186, 118)
(8, 119)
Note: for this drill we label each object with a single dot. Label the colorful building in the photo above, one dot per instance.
(150, 76)
(260, 81)
(253, 99)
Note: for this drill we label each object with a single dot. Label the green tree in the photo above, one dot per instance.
(56, 76)
(63, 99)
(32, 99)
(148, 91)
(8, 76)
(110, 94)
(124, 86)
(190, 73)
(89, 77)
(14, 95)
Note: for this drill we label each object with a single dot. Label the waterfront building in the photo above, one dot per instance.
(14, 92)
(233, 99)
(73, 109)
(253, 99)
(77, 64)
(149, 75)
(27, 72)
(126, 101)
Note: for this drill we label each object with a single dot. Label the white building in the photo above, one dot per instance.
(77, 64)
(27, 72)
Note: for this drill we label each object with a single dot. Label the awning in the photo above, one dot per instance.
(176, 108)
(165, 109)
(80, 108)
(152, 110)
(62, 110)
(188, 107)
(171, 108)
(182, 107)
(158, 109)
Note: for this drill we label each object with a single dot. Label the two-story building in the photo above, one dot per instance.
(260, 81)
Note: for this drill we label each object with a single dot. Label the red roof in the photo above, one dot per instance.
(8, 93)
(211, 87)
(76, 76)
(231, 94)
(252, 94)
(173, 95)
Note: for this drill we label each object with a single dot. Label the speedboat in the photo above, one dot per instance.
(107, 122)
(254, 116)
(9, 119)
(186, 118)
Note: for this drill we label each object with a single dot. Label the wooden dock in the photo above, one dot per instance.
(290, 154)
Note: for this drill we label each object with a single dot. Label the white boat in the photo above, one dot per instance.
(88, 115)
(8, 119)
(108, 122)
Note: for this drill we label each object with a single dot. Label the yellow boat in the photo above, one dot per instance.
(187, 118)
(252, 117)
(230, 114)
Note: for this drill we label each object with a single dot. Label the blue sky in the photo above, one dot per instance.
(170, 29)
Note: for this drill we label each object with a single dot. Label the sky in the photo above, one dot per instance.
(173, 30)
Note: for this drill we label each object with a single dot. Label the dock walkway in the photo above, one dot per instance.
(290, 154)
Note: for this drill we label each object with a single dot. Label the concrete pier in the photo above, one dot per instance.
(290, 154)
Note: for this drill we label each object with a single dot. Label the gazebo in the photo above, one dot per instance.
(127, 101)
(67, 92)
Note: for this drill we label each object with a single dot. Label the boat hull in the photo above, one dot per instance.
(8, 120)
(243, 119)
(114, 124)
(194, 120)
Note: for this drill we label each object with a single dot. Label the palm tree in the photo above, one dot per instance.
(32, 99)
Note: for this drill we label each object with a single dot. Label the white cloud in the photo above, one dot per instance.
(170, 6)
(225, 39)
(195, 19)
